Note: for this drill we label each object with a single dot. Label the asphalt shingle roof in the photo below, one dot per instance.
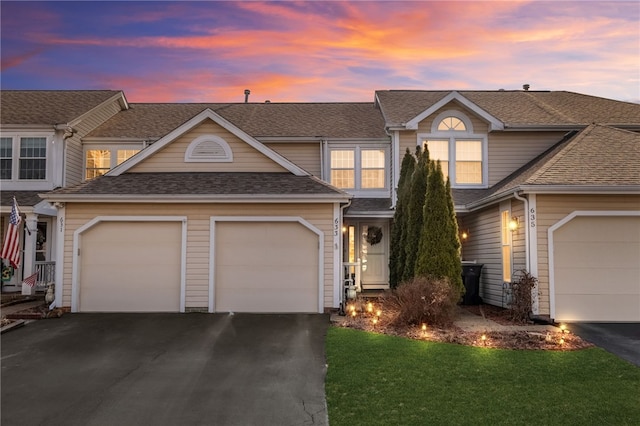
(598, 156)
(517, 108)
(48, 107)
(201, 184)
(333, 120)
(23, 198)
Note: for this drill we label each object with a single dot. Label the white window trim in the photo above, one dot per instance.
(358, 148)
(27, 184)
(455, 135)
(189, 155)
(102, 147)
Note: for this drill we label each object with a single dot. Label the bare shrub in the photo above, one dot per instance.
(521, 301)
(421, 300)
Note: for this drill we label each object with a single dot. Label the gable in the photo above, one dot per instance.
(478, 125)
(208, 147)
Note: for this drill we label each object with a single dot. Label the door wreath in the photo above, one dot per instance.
(374, 235)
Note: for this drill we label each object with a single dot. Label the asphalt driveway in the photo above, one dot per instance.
(621, 339)
(166, 369)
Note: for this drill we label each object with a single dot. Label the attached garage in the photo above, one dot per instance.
(270, 265)
(130, 266)
(595, 267)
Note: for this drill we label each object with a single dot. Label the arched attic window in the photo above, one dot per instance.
(462, 153)
(208, 149)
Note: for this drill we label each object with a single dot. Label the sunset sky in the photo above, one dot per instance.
(210, 51)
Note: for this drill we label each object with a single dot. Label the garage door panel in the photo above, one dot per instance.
(131, 267)
(597, 281)
(265, 267)
(596, 307)
(596, 269)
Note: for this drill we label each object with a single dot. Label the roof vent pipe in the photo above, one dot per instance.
(524, 86)
(247, 92)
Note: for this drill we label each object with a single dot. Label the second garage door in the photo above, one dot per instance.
(597, 269)
(130, 267)
(266, 267)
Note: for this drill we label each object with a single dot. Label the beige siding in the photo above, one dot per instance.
(74, 161)
(483, 245)
(306, 156)
(198, 221)
(553, 208)
(171, 157)
(508, 151)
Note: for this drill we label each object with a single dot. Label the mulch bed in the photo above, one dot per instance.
(518, 340)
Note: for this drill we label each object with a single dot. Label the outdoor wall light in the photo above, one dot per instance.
(514, 223)
(464, 235)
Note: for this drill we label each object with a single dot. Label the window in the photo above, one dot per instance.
(100, 161)
(461, 153)
(359, 168)
(343, 169)
(6, 158)
(33, 158)
(506, 245)
(372, 169)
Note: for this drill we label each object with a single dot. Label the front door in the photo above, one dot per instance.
(374, 257)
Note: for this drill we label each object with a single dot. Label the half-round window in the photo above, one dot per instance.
(452, 123)
(208, 149)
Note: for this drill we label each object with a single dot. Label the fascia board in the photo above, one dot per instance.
(494, 123)
(118, 96)
(582, 189)
(190, 124)
(377, 214)
(173, 199)
(556, 189)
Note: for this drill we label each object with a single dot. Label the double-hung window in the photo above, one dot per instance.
(99, 161)
(462, 153)
(359, 168)
(23, 158)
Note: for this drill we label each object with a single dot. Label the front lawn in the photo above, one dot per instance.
(376, 379)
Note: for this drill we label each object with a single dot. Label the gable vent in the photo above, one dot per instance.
(208, 149)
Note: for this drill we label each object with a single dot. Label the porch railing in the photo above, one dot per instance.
(351, 274)
(46, 273)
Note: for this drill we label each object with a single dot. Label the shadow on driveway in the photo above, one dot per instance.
(166, 369)
(621, 339)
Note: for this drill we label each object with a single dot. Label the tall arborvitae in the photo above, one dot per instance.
(438, 254)
(398, 230)
(417, 190)
(454, 235)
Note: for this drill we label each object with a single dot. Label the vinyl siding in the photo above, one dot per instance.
(171, 157)
(306, 156)
(198, 221)
(553, 208)
(483, 245)
(508, 151)
(74, 162)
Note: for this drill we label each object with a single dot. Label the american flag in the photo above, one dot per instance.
(31, 280)
(11, 246)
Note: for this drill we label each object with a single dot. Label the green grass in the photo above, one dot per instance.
(376, 379)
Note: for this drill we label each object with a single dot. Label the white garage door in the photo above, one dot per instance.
(265, 267)
(597, 269)
(130, 267)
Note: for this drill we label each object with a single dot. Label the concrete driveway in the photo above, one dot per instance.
(166, 369)
(621, 339)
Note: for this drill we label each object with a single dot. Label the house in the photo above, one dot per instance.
(41, 148)
(254, 207)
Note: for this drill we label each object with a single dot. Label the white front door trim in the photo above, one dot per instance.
(301, 221)
(75, 285)
(558, 225)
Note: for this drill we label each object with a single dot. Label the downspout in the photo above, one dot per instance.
(526, 229)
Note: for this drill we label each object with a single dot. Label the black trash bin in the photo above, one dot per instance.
(471, 280)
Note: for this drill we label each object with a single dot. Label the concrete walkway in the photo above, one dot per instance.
(471, 322)
(17, 307)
